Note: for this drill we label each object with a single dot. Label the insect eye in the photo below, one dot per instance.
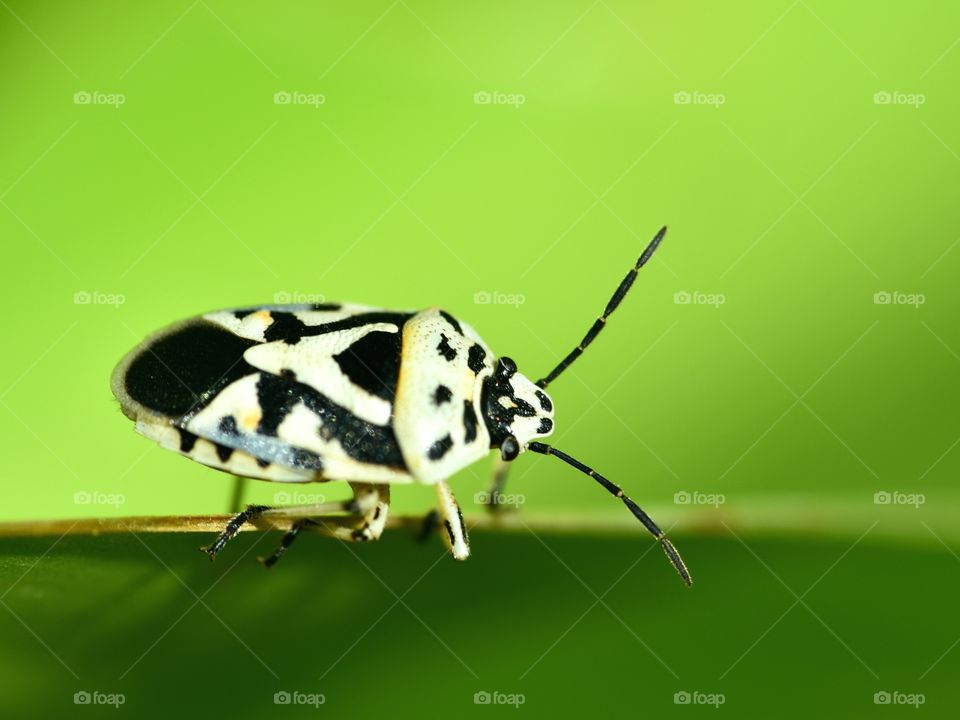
(509, 448)
(506, 367)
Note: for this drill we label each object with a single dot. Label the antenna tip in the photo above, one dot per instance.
(674, 557)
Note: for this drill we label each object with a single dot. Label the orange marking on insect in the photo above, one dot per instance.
(251, 420)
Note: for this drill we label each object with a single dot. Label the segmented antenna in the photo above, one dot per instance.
(671, 552)
(612, 305)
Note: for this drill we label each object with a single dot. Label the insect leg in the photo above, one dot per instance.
(375, 499)
(431, 521)
(252, 512)
(455, 531)
(501, 469)
(286, 541)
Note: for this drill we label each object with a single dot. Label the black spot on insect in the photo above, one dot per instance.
(376, 513)
(305, 459)
(444, 348)
(452, 320)
(288, 374)
(325, 306)
(261, 463)
(187, 440)
(546, 425)
(441, 395)
(288, 328)
(178, 373)
(373, 363)
(440, 448)
(228, 425)
(223, 452)
(361, 440)
(544, 401)
(241, 314)
(476, 357)
(449, 527)
(469, 422)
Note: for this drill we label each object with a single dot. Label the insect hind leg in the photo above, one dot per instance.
(375, 501)
(252, 513)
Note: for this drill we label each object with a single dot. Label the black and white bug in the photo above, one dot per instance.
(312, 393)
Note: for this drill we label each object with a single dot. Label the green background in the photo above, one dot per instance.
(794, 195)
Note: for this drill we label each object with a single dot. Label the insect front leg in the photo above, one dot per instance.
(451, 518)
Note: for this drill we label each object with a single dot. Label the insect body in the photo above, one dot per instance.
(311, 393)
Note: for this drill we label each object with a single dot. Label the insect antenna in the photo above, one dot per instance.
(612, 305)
(671, 552)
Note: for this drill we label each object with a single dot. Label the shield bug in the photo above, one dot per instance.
(374, 397)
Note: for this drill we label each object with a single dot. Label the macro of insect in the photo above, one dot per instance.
(373, 397)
